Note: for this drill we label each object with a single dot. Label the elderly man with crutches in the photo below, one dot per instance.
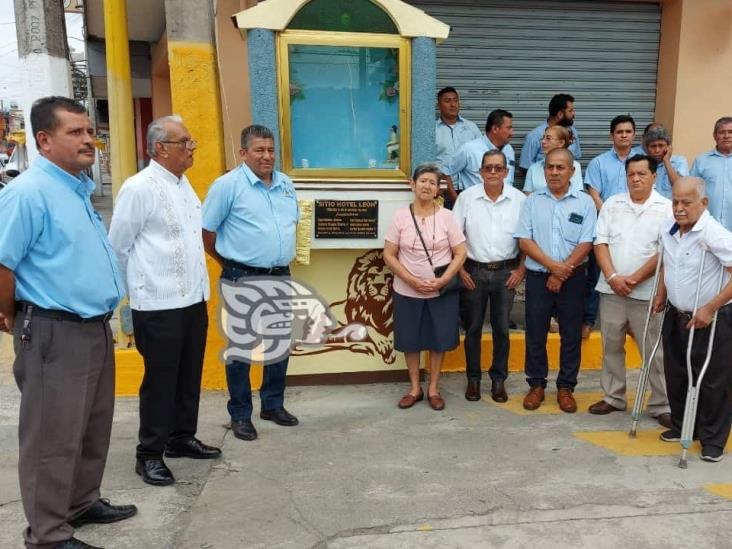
(697, 329)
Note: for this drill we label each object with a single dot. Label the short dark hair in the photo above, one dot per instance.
(493, 152)
(721, 122)
(652, 162)
(255, 131)
(495, 119)
(621, 119)
(43, 113)
(559, 102)
(446, 89)
(426, 167)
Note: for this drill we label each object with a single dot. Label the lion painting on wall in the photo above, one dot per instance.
(368, 304)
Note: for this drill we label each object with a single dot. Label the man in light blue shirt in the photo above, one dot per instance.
(465, 164)
(657, 145)
(561, 113)
(555, 231)
(605, 177)
(249, 221)
(451, 129)
(715, 168)
(59, 283)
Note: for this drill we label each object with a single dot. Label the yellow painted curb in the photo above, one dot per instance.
(130, 367)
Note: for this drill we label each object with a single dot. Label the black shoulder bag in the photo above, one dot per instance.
(455, 283)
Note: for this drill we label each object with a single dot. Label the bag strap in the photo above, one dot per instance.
(419, 233)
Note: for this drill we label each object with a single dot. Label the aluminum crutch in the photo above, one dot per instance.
(640, 392)
(692, 392)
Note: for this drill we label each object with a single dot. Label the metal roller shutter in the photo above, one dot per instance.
(516, 55)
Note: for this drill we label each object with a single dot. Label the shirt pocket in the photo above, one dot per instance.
(572, 232)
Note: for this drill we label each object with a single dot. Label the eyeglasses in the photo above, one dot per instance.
(189, 144)
(493, 169)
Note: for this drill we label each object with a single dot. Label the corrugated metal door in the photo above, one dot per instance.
(517, 54)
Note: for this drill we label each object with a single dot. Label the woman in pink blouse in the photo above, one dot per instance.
(424, 320)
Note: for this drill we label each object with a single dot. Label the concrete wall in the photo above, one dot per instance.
(695, 71)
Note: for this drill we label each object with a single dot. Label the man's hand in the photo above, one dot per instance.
(622, 285)
(517, 275)
(554, 284)
(703, 318)
(468, 281)
(6, 323)
(561, 270)
(667, 155)
(659, 304)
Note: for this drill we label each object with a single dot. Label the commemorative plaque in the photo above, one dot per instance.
(346, 218)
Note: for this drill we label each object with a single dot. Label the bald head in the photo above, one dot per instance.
(689, 202)
(560, 155)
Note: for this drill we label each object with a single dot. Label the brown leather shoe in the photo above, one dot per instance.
(601, 408)
(586, 331)
(409, 400)
(664, 420)
(472, 392)
(534, 397)
(436, 402)
(566, 400)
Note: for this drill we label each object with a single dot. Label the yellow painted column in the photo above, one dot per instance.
(194, 87)
(119, 91)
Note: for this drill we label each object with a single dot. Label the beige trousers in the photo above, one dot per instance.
(616, 314)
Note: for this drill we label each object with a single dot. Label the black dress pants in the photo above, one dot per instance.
(714, 411)
(172, 343)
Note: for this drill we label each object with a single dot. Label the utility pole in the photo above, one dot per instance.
(41, 29)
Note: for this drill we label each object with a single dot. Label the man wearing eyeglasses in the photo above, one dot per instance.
(488, 215)
(156, 233)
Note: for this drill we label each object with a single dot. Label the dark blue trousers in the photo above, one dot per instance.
(272, 391)
(569, 307)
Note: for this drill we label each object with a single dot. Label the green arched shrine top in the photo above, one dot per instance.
(343, 16)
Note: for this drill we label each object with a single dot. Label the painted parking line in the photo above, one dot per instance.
(723, 490)
(550, 406)
(646, 443)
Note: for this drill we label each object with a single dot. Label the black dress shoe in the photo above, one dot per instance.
(191, 448)
(498, 391)
(472, 393)
(280, 416)
(73, 543)
(244, 429)
(154, 471)
(103, 512)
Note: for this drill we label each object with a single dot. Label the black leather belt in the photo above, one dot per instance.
(495, 265)
(277, 271)
(54, 314)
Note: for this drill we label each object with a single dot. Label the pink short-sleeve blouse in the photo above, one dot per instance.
(440, 232)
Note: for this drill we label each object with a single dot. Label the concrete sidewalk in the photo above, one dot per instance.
(360, 473)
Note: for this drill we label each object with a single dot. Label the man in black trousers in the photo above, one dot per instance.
(156, 232)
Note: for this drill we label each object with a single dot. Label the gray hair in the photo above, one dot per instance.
(697, 182)
(426, 167)
(156, 132)
(658, 133)
(493, 152)
(253, 132)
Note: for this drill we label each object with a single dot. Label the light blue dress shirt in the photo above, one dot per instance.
(254, 224)
(54, 241)
(663, 183)
(557, 226)
(449, 139)
(716, 171)
(531, 151)
(606, 174)
(466, 162)
(535, 179)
